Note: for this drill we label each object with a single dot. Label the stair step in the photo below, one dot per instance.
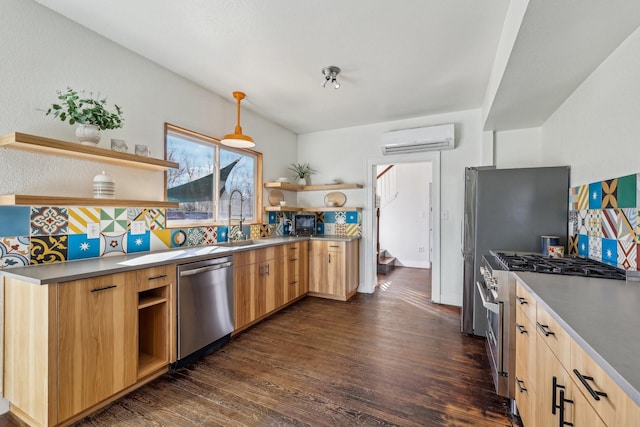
(385, 264)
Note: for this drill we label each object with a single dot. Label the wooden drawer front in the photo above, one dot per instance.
(616, 408)
(526, 302)
(336, 246)
(525, 396)
(554, 336)
(155, 277)
(257, 255)
(525, 348)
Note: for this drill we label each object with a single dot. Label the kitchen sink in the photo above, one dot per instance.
(234, 243)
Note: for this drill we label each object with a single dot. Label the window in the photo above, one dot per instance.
(209, 172)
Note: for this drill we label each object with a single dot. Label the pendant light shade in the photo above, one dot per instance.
(237, 139)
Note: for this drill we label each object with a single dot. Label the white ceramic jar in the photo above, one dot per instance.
(104, 187)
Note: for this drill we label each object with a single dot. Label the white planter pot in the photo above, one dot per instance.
(302, 181)
(88, 134)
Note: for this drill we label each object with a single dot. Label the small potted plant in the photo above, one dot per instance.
(302, 171)
(90, 113)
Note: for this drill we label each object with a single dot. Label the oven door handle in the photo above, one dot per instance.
(491, 306)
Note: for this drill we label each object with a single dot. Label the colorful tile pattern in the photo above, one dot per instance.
(609, 231)
(80, 217)
(113, 243)
(81, 247)
(48, 220)
(48, 249)
(14, 221)
(113, 220)
(14, 251)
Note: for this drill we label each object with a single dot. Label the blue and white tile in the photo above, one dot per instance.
(138, 242)
(329, 217)
(352, 217)
(81, 247)
(14, 251)
(583, 245)
(223, 231)
(320, 229)
(595, 195)
(272, 217)
(341, 217)
(195, 236)
(610, 251)
(178, 238)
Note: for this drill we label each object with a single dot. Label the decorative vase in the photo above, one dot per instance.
(302, 181)
(88, 134)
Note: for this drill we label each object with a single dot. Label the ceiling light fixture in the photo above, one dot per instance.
(331, 75)
(237, 139)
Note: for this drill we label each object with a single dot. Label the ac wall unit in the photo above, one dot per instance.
(418, 139)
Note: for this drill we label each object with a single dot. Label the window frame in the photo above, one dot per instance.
(215, 142)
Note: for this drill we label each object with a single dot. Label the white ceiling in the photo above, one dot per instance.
(399, 59)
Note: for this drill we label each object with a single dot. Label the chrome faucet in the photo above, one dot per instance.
(239, 234)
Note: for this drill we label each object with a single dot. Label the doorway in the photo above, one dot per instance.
(369, 219)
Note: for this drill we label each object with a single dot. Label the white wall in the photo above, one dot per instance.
(520, 148)
(404, 222)
(344, 152)
(596, 129)
(43, 52)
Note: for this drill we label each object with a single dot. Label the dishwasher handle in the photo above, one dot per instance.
(491, 306)
(205, 269)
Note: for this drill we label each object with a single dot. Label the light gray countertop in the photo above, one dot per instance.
(82, 269)
(601, 315)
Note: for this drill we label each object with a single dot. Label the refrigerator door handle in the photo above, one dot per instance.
(491, 306)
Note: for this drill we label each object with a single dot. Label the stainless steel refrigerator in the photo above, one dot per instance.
(507, 209)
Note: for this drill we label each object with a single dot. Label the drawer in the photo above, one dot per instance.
(526, 302)
(616, 408)
(525, 397)
(253, 256)
(554, 336)
(155, 277)
(525, 349)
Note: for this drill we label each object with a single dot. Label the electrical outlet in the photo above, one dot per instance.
(93, 230)
(137, 227)
(421, 249)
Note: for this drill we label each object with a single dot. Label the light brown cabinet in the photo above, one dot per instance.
(549, 366)
(72, 347)
(258, 279)
(296, 270)
(96, 340)
(333, 269)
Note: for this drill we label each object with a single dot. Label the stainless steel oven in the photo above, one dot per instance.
(497, 291)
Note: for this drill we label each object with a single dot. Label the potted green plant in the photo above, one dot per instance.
(90, 113)
(301, 171)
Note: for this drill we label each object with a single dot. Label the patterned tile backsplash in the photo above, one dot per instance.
(603, 221)
(47, 234)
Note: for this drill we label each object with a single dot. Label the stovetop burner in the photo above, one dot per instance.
(569, 265)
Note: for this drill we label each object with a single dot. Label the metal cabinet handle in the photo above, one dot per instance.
(329, 258)
(293, 259)
(554, 394)
(104, 289)
(268, 269)
(521, 328)
(162, 276)
(293, 283)
(583, 379)
(334, 246)
(522, 300)
(561, 421)
(545, 329)
(520, 385)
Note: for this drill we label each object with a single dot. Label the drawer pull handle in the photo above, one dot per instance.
(522, 300)
(521, 329)
(293, 283)
(520, 385)
(554, 388)
(162, 276)
(293, 259)
(583, 379)
(104, 289)
(545, 329)
(562, 422)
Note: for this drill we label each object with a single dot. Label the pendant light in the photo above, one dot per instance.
(237, 139)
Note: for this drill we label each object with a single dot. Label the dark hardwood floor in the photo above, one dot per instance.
(391, 358)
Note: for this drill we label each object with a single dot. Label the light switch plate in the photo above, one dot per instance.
(93, 230)
(137, 227)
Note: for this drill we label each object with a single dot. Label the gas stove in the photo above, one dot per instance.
(568, 265)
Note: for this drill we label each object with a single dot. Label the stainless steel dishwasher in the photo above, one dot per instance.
(205, 308)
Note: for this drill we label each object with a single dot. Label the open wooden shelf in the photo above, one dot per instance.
(150, 301)
(148, 364)
(30, 200)
(23, 141)
(295, 187)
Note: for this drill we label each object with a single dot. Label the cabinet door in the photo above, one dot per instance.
(335, 284)
(525, 397)
(318, 266)
(244, 283)
(273, 281)
(97, 340)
